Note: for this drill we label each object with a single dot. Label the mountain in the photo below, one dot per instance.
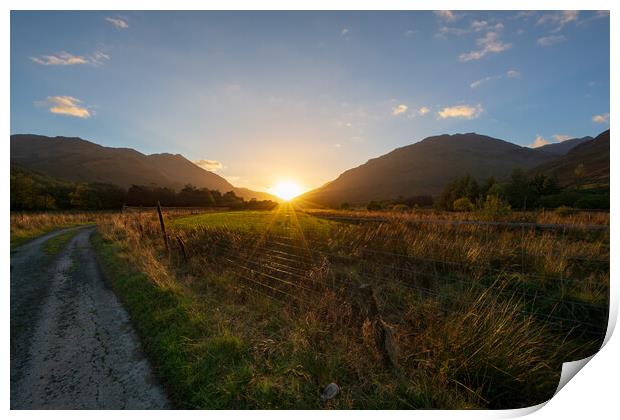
(75, 159)
(424, 168)
(592, 154)
(563, 147)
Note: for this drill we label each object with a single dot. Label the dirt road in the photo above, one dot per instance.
(72, 344)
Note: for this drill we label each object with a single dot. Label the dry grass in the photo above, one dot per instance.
(280, 316)
(27, 226)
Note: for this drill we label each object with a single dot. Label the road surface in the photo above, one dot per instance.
(72, 343)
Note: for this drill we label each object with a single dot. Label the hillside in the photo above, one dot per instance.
(78, 160)
(592, 154)
(424, 168)
(563, 147)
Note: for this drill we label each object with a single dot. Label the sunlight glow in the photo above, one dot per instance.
(286, 190)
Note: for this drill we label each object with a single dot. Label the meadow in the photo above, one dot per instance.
(402, 310)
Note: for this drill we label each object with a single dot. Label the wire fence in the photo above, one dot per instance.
(294, 262)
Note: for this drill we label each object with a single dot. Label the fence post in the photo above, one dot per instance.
(163, 226)
(382, 332)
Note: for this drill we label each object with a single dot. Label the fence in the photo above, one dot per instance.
(296, 263)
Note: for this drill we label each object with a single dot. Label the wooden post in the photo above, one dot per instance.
(182, 247)
(383, 334)
(163, 226)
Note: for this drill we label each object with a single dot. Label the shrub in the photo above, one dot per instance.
(400, 207)
(374, 205)
(494, 207)
(462, 204)
(564, 211)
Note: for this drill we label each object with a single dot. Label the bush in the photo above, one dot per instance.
(494, 207)
(462, 204)
(373, 205)
(564, 211)
(400, 207)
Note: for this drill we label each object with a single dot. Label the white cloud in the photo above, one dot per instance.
(337, 145)
(209, 165)
(423, 110)
(513, 74)
(450, 30)
(467, 112)
(488, 44)
(344, 32)
(410, 32)
(399, 109)
(64, 58)
(547, 41)
(601, 119)
(65, 105)
(118, 22)
(562, 137)
(478, 25)
(478, 82)
(559, 19)
(539, 141)
(446, 15)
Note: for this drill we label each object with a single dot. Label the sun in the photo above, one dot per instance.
(286, 190)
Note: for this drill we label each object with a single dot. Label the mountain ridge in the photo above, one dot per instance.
(425, 167)
(79, 160)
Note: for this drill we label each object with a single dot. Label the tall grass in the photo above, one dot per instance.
(26, 226)
(272, 314)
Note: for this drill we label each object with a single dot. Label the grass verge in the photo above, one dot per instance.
(56, 244)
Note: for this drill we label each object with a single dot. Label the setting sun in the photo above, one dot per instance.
(286, 190)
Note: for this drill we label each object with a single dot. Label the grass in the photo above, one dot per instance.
(278, 221)
(28, 226)
(56, 244)
(265, 309)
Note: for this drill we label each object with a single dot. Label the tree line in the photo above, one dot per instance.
(522, 191)
(32, 191)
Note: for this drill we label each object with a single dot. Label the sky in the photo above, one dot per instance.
(263, 97)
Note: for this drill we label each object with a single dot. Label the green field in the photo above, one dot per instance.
(283, 220)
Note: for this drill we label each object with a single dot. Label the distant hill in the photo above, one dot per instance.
(592, 154)
(563, 147)
(78, 160)
(424, 168)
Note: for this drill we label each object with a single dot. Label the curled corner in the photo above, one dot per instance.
(569, 370)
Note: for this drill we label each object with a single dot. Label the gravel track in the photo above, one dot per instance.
(72, 343)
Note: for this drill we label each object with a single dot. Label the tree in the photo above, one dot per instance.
(462, 204)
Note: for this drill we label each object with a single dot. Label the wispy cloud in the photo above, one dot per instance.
(65, 105)
(467, 112)
(399, 109)
(64, 58)
(489, 44)
(562, 137)
(451, 30)
(559, 19)
(118, 22)
(547, 41)
(447, 15)
(422, 110)
(511, 74)
(601, 119)
(209, 165)
(539, 141)
(344, 32)
(478, 82)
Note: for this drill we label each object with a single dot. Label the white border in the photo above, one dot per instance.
(592, 393)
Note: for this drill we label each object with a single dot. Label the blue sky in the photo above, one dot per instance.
(261, 97)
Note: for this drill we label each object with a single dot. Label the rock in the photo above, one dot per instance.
(330, 392)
